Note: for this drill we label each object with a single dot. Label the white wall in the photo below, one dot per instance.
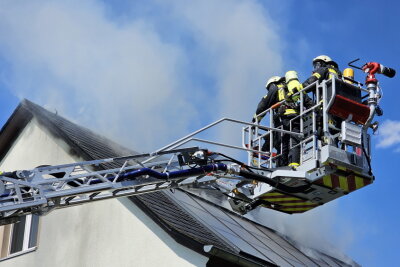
(106, 233)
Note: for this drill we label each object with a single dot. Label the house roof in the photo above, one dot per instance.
(189, 219)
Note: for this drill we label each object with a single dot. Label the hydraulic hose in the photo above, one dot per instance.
(366, 155)
(273, 183)
(167, 175)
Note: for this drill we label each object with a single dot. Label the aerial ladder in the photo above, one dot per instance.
(335, 160)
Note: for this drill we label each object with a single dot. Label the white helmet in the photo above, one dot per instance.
(323, 58)
(273, 79)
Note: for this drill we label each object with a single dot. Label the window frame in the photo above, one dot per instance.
(31, 228)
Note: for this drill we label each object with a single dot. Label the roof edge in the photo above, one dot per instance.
(13, 127)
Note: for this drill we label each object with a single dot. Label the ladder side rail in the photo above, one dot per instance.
(65, 202)
(68, 178)
(38, 185)
(110, 160)
(52, 198)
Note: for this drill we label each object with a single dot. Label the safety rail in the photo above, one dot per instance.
(190, 137)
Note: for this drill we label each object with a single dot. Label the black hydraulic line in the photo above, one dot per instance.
(260, 169)
(259, 202)
(236, 198)
(235, 161)
(155, 153)
(366, 155)
(273, 183)
(131, 175)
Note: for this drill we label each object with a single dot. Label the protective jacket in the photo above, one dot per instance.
(323, 73)
(268, 100)
(278, 93)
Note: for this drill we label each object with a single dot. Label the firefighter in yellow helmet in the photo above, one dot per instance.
(291, 108)
(278, 92)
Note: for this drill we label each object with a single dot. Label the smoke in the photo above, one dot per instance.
(121, 80)
(133, 79)
(145, 80)
(318, 229)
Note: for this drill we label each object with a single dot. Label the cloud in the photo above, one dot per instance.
(121, 80)
(389, 134)
(133, 79)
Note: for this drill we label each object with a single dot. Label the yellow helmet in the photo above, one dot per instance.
(323, 58)
(273, 79)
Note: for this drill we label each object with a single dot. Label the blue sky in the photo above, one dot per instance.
(131, 69)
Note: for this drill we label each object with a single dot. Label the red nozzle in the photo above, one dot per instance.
(371, 68)
(374, 67)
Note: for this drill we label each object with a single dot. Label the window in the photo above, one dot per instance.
(19, 238)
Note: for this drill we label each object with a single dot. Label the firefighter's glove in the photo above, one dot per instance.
(254, 119)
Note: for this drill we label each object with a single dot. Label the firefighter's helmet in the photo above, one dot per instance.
(273, 79)
(323, 58)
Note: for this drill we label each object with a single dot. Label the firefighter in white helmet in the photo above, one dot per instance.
(324, 68)
(273, 84)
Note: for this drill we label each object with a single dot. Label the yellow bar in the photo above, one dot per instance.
(341, 168)
(273, 194)
(359, 182)
(280, 199)
(327, 180)
(343, 183)
(297, 209)
(297, 204)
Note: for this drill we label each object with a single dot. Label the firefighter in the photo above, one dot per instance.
(290, 110)
(278, 92)
(273, 85)
(324, 68)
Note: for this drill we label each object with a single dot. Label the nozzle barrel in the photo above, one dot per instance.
(388, 72)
